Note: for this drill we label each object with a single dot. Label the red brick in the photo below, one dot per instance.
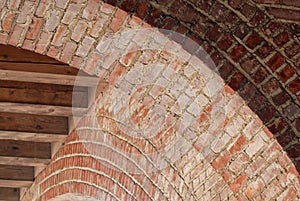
(275, 62)
(257, 102)
(225, 42)
(286, 138)
(13, 4)
(71, 12)
(53, 21)
(237, 53)
(254, 188)
(7, 21)
(238, 183)
(91, 9)
(128, 5)
(28, 45)
(235, 3)
(238, 145)
(241, 31)
(267, 113)
(264, 50)
(294, 86)
(61, 3)
(25, 11)
(118, 20)
(248, 10)
(277, 125)
(68, 52)
(259, 18)
(286, 73)
(79, 30)
(3, 38)
(42, 8)
(221, 161)
(267, 1)
(226, 70)
(214, 33)
(218, 11)
(226, 176)
(291, 3)
(270, 86)
(260, 75)
(16, 35)
(98, 25)
(34, 28)
(237, 81)
(292, 49)
(141, 9)
(249, 64)
(253, 40)
(285, 14)
(281, 39)
(288, 194)
(85, 47)
(93, 62)
(52, 52)
(60, 33)
(43, 43)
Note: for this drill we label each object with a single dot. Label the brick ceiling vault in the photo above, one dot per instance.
(255, 47)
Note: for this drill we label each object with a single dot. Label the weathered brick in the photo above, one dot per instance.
(285, 14)
(294, 86)
(91, 9)
(254, 188)
(79, 30)
(264, 50)
(85, 47)
(7, 21)
(13, 4)
(253, 40)
(25, 12)
(68, 52)
(34, 28)
(237, 81)
(53, 21)
(118, 20)
(71, 12)
(237, 53)
(16, 35)
(42, 8)
(221, 161)
(238, 145)
(3, 38)
(61, 32)
(270, 86)
(43, 43)
(275, 62)
(281, 39)
(142, 9)
(225, 42)
(238, 183)
(286, 73)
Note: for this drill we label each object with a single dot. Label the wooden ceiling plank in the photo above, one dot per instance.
(33, 123)
(36, 96)
(13, 148)
(15, 183)
(31, 136)
(19, 161)
(50, 78)
(51, 110)
(20, 173)
(40, 67)
(9, 194)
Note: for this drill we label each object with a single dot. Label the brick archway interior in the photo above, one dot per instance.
(257, 54)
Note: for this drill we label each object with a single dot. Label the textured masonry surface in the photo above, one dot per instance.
(255, 46)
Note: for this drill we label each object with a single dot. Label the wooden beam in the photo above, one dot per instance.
(31, 136)
(41, 109)
(18, 173)
(33, 123)
(19, 161)
(9, 194)
(46, 94)
(15, 183)
(24, 149)
(50, 78)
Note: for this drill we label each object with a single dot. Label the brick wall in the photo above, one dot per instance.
(255, 53)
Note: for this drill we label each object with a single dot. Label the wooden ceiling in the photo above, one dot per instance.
(36, 98)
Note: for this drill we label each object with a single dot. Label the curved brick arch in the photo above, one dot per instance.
(236, 168)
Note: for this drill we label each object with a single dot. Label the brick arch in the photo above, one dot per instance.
(236, 167)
